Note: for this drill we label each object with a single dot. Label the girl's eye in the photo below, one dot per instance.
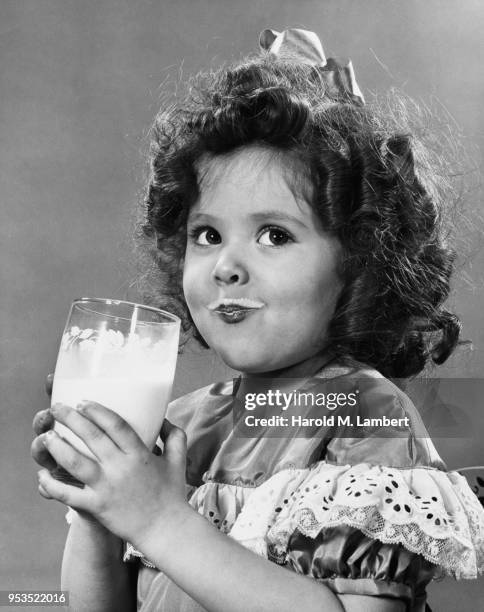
(274, 236)
(205, 236)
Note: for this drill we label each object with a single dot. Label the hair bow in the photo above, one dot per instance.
(306, 47)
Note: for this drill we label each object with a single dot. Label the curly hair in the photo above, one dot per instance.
(376, 185)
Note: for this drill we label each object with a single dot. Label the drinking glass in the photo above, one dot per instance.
(121, 355)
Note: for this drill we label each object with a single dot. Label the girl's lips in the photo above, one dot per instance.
(234, 316)
(233, 310)
(234, 304)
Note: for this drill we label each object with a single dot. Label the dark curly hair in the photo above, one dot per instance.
(376, 185)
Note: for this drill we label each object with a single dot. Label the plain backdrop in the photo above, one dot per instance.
(80, 82)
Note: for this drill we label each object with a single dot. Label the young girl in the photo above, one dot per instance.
(299, 234)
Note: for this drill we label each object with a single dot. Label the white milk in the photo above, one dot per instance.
(140, 402)
(130, 375)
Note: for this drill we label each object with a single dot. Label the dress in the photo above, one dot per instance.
(363, 515)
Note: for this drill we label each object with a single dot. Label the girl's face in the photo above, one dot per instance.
(260, 274)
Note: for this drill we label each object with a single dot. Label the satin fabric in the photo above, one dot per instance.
(342, 558)
(349, 562)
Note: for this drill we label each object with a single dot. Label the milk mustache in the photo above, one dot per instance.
(132, 376)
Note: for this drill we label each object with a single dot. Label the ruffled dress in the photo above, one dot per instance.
(374, 516)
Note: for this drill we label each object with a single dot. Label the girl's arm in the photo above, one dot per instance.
(93, 571)
(222, 575)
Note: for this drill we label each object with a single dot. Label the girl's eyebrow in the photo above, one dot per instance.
(261, 217)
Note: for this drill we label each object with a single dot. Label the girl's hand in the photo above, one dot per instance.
(126, 485)
(43, 421)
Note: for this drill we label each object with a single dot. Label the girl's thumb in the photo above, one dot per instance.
(174, 443)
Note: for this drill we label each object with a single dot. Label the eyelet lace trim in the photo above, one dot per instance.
(429, 512)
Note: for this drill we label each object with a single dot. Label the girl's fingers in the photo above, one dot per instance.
(67, 494)
(77, 464)
(120, 432)
(43, 492)
(174, 443)
(43, 420)
(41, 455)
(98, 442)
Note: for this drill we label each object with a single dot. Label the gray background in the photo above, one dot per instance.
(79, 86)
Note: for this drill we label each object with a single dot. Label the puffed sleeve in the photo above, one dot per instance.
(375, 516)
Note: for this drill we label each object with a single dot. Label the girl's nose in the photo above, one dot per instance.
(230, 270)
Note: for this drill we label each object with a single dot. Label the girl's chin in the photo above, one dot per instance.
(250, 364)
(254, 364)
(247, 359)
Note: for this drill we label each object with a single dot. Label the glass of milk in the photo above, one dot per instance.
(121, 355)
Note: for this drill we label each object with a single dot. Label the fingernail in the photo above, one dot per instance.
(82, 406)
(47, 417)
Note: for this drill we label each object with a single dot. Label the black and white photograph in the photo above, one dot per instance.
(242, 270)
